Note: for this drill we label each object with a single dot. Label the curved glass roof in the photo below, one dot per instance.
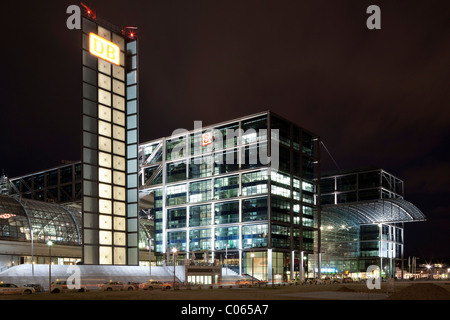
(376, 211)
(48, 221)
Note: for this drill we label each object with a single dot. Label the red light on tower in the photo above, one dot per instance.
(128, 32)
(89, 12)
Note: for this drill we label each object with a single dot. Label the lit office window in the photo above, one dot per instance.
(254, 183)
(200, 191)
(226, 136)
(200, 239)
(176, 148)
(176, 218)
(254, 236)
(200, 167)
(176, 239)
(200, 215)
(280, 210)
(226, 237)
(176, 194)
(280, 236)
(227, 187)
(226, 212)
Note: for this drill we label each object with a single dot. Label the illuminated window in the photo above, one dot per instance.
(104, 128)
(119, 117)
(104, 206)
(227, 187)
(119, 178)
(226, 212)
(119, 148)
(119, 208)
(119, 255)
(104, 159)
(104, 33)
(119, 40)
(119, 224)
(104, 175)
(119, 193)
(119, 133)
(119, 238)
(104, 82)
(254, 236)
(104, 113)
(104, 97)
(105, 191)
(105, 222)
(104, 144)
(119, 163)
(200, 215)
(105, 237)
(105, 255)
(118, 87)
(118, 102)
(104, 66)
(200, 191)
(176, 194)
(200, 239)
(254, 183)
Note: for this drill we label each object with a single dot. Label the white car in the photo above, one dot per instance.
(60, 286)
(116, 286)
(155, 284)
(10, 288)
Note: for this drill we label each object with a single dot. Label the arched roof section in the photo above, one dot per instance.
(377, 211)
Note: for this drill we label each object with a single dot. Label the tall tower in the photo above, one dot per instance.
(109, 143)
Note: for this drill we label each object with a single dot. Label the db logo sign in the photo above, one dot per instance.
(206, 139)
(104, 49)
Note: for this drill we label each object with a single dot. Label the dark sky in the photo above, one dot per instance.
(376, 97)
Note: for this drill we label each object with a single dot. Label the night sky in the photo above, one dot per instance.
(375, 97)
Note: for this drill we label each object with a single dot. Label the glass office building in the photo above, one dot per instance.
(239, 193)
(363, 216)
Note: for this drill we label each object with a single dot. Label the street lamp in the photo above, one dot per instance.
(428, 270)
(150, 256)
(174, 251)
(50, 244)
(226, 258)
(253, 256)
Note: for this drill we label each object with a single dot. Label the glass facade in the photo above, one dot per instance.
(60, 185)
(362, 185)
(351, 243)
(223, 199)
(38, 221)
(219, 198)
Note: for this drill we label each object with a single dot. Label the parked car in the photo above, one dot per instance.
(245, 282)
(155, 284)
(10, 288)
(136, 285)
(261, 282)
(37, 287)
(347, 280)
(116, 286)
(60, 286)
